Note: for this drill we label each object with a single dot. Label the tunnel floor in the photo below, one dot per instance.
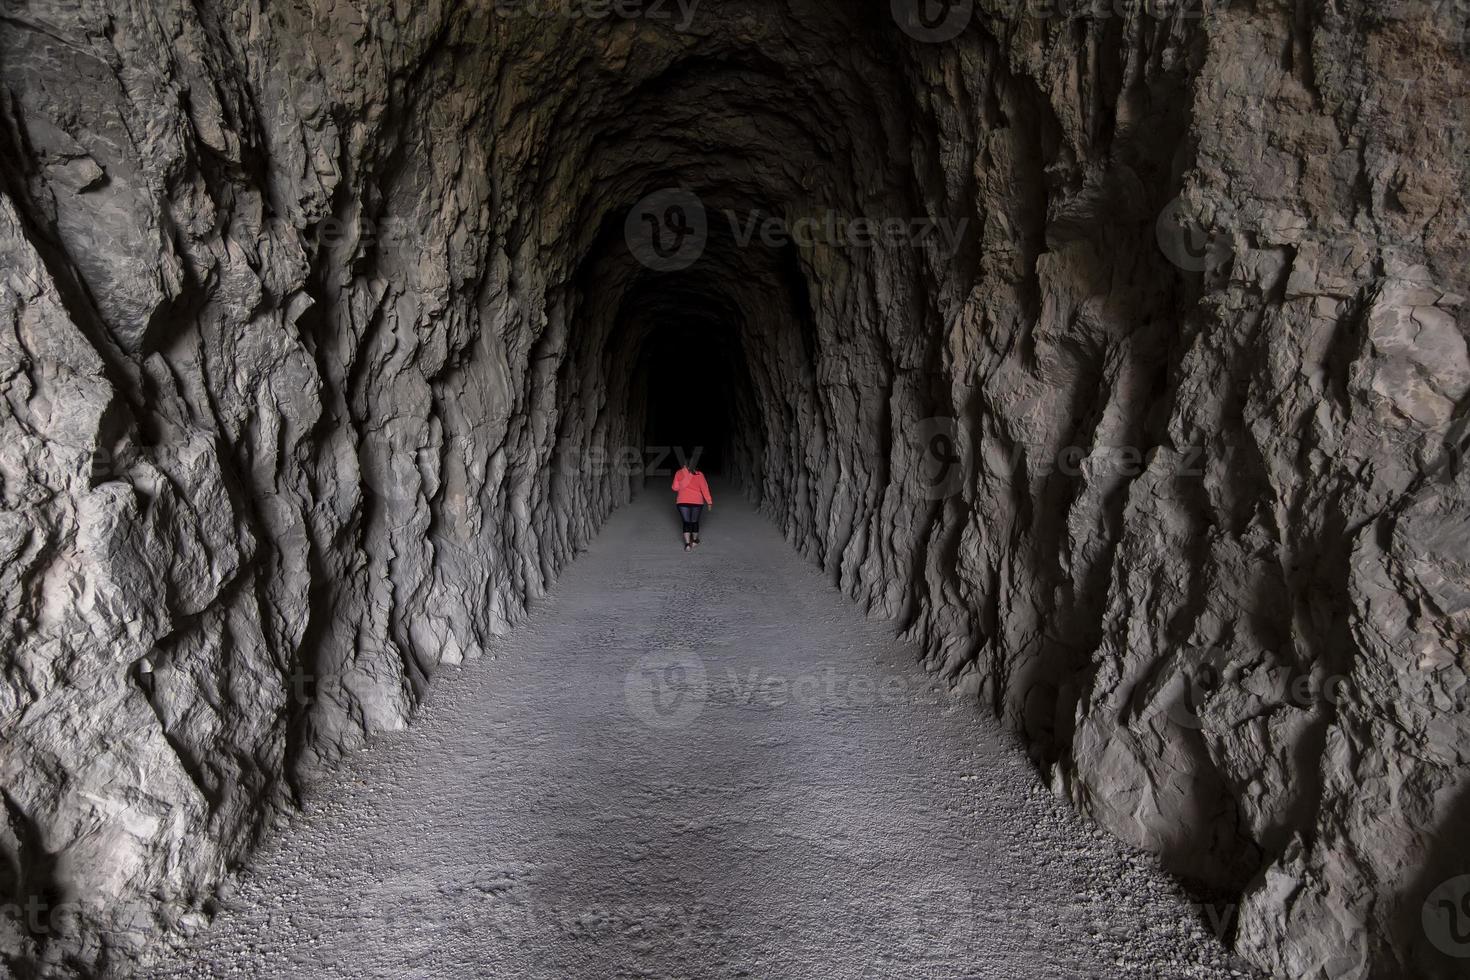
(777, 790)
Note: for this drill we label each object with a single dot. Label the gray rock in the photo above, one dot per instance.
(322, 341)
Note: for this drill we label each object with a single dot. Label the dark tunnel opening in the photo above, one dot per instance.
(687, 373)
(705, 363)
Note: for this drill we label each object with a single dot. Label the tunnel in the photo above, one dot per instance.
(686, 376)
(1081, 387)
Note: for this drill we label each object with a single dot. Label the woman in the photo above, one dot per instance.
(693, 497)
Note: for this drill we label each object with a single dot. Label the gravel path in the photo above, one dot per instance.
(701, 765)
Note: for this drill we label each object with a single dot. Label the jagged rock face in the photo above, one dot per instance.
(330, 334)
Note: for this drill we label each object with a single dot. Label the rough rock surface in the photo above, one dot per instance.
(322, 337)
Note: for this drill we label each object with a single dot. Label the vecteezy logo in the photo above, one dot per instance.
(1446, 917)
(666, 688)
(1186, 242)
(1200, 681)
(392, 476)
(942, 468)
(932, 21)
(666, 230)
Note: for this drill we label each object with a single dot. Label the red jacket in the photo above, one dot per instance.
(692, 488)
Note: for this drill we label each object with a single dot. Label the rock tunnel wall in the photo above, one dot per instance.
(323, 337)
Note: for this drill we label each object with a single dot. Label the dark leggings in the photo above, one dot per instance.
(690, 513)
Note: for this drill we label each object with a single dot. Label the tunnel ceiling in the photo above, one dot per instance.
(323, 320)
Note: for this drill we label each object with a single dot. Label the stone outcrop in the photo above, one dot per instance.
(331, 332)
